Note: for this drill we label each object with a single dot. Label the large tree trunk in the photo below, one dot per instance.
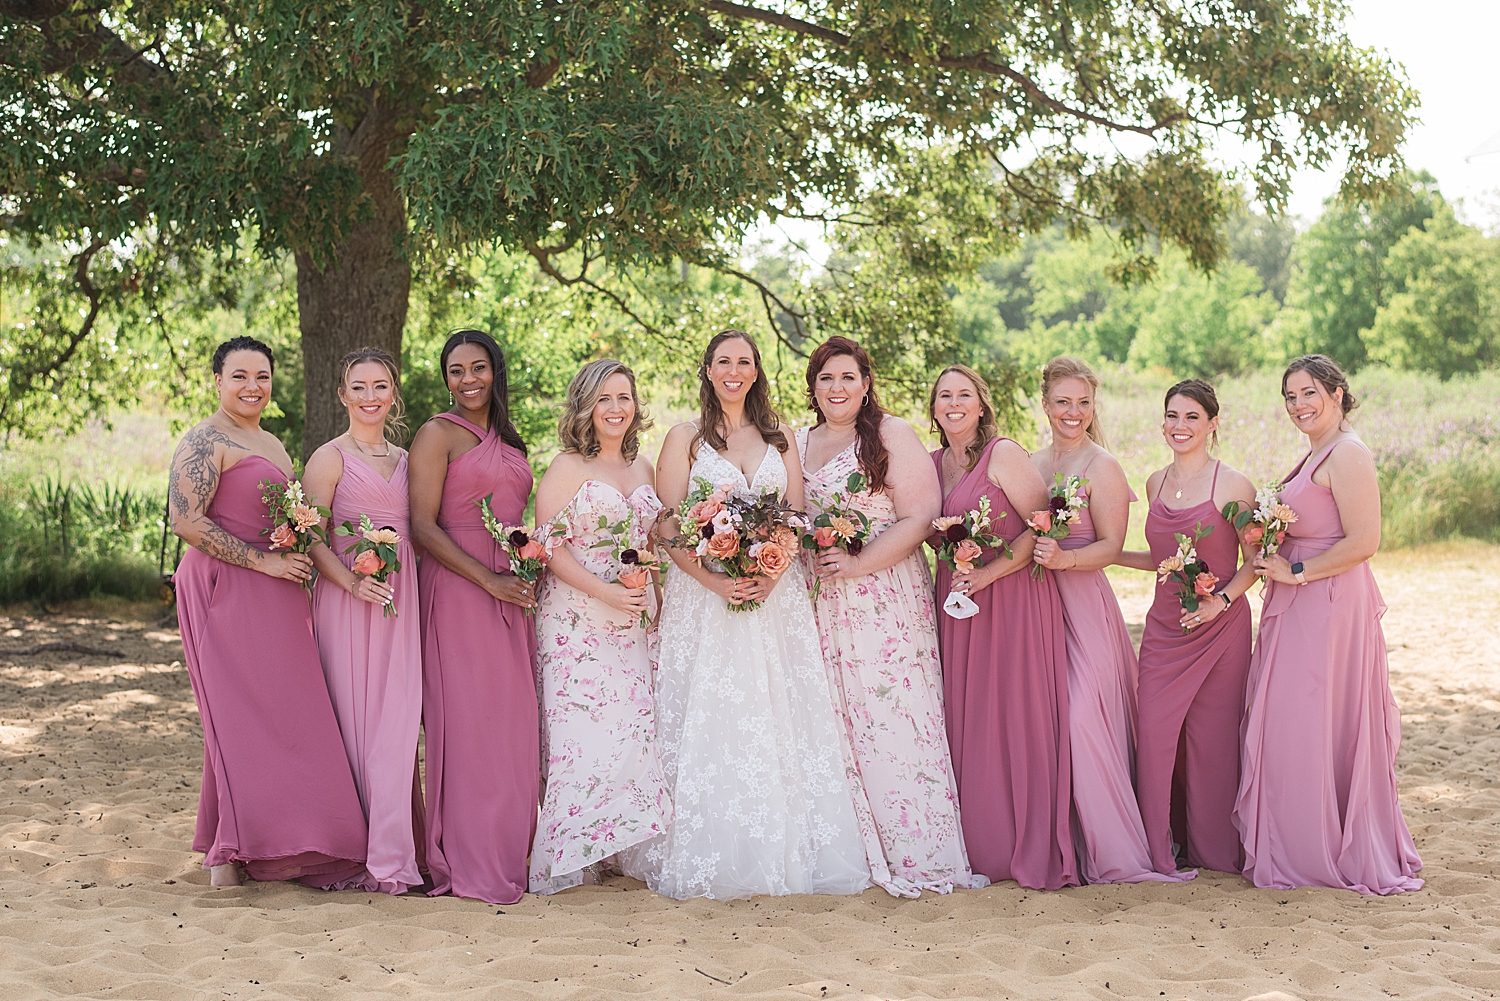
(359, 299)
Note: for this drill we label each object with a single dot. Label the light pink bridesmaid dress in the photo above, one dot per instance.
(373, 664)
(1317, 804)
(1108, 833)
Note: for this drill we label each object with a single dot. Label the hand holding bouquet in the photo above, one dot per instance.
(746, 537)
(296, 524)
(529, 550)
(1188, 570)
(966, 535)
(1266, 525)
(634, 561)
(1065, 498)
(375, 553)
(839, 525)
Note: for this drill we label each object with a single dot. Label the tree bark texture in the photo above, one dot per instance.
(359, 298)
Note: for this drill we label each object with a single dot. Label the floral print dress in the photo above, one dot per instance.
(604, 789)
(879, 636)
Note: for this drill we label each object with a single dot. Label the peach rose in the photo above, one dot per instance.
(638, 577)
(1205, 584)
(305, 517)
(1041, 521)
(533, 550)
(965, 555)
(1253, 533)
(824, 537)
(704, 511)
(723, 545)
(282, 536)
(772, 559)
(368, 563)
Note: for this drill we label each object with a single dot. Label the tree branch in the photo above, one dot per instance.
(769, 298)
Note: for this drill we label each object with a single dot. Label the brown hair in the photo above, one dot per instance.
(988, 428)
(575, 429)
(395, 418)
(1063, 367)
(874, 458)
(758, 407)
(1201, 393)
(1328, 374)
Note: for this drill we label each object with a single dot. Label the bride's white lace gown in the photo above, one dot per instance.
(750, 741)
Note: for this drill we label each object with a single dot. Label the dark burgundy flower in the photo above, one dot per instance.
(518, 538)
(957, 533)
(708, 531)
(1058, 504)
(630, 556)
(855, 546)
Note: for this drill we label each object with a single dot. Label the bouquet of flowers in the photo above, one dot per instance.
(635, 564)
(295, 524)
(840, 524)
(1266, 525)
(1188, 570)
(1065, 498)
(964, 537)
(745, 536)
(529, 550)
(374, 551)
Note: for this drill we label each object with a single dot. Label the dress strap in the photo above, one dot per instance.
(1214, 484)
(461, 422)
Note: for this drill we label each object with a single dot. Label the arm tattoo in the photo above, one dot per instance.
(190, 489)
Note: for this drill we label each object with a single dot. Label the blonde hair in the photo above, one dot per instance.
(575, 429)
(1063, 367)
(987, 429)
(395, 418)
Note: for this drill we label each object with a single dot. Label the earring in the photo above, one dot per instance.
(864, 401)
(450, 397)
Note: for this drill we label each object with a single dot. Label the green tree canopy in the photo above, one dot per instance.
(603, 136)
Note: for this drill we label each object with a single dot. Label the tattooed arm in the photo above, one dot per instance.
(191, 485)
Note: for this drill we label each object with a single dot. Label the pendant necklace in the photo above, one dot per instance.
(376, 455)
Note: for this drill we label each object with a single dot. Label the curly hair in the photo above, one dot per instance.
(575, 429)
(874, 458)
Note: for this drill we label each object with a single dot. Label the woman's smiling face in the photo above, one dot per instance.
(732, 370)
(956, 406)
(1312, 408)
(614, 410)
(839, 390)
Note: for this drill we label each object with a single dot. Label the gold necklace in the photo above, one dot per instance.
(1180, 484)
(373, 455)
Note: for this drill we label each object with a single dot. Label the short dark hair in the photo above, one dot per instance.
(241, 344)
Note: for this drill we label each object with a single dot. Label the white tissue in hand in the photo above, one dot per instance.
(959, 606)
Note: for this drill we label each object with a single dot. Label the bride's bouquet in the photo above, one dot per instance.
(746, 537)
(529, 550)
(1065, 498)
(1266, 525)
(634, 564)
(296, 524)
(1188, 570)
(839, 524)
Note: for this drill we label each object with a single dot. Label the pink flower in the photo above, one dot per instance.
(723, 545)
(637, 577)
(965, 555)
(282, 536)
(533, 550)
(1253, 533)
(1041, 521)
(772, 559)
(824, 537)
(704, 511)
(1204, 584)
(368, 563)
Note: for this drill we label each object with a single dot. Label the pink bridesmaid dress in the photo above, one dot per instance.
(1108, 832)
(1192, 698)
(373, 664)
(277, 794)
(1005, 693)
(479, 704)
(1317, 802)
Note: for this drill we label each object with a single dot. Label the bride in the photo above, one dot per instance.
(763, 785)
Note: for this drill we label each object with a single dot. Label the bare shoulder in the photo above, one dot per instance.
(205, 438)
(1105, 468)
(437, 435)
(643, 468)
(1009, 451)
(678, 439)
(894, 431)
(1236, 482)
(1350, 453)
(1153, 482)
(325, 458)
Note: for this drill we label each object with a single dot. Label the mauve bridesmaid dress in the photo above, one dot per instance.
(373, 663)
(1317, 801)
(479, 704)
(1109, 836)
(1192, 698)
(277, 794)
(1005, 695)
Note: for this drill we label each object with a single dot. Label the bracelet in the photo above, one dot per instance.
(1227, 599)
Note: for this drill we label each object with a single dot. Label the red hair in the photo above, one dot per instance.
(874, 459)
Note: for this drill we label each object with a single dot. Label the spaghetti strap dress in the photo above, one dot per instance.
(1005, 695)
(1191, 699)
(1318, 804)
(373, 665)
(479, 702)
(277, 794)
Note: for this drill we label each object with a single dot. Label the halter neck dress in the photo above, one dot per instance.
(1005, 695)
(1318, 804)
(373, 664)
(1191, 699)
(479, 703)
(1108, 832)
(277, 794)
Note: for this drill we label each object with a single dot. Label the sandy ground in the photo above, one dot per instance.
(102, 897)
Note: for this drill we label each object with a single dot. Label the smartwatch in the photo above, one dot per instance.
(1297, 572)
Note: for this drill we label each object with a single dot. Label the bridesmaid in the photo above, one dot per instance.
(1005, 670)
(1193, 664)
(876, 620)
(277, 796)
(1317, 804)
(1108, 833)
(373, 662)
(604, 785)
(479, 704)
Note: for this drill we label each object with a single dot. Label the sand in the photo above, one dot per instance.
(99, 769)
